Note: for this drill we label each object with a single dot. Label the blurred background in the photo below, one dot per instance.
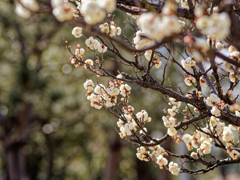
(48, 130)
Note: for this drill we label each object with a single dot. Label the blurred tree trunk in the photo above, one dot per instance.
(142, 170)
(113, 159)
(15, 158)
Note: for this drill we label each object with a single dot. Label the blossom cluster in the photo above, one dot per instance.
(24, 8)
(105, 95)
(157, 154)
(155, 60)
(217, 25)
(140, 41)
(92, 43)
(188, 63)
(94, 11)
(111, 29)
(233, 72)
(215, 102)
(62, 10)
(170, 122)
(156, 28)
(189, 80)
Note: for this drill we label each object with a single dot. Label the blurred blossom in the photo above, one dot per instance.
(3, 110)
(47, 129)
(88, 118)
(79, 128)
(66, 69)
(53, 64)
(5, 69)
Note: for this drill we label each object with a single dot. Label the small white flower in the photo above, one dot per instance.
(172, 131)
(100, 47)
(92, 12)
(158, 64)
(189, 80)
(63, 12)
(232, 49)
(161, 161)
(109, 5)
(113, 92)
(142, 116)
(30, 4)
(22, 12)
(187, 138)
(79, 52)
(232, 77)
(219, 46)
(90, 42)
(237, 113)
(215, 111)
(89, 62)
(118, 31)
(227, 134)
(104, 28)
(77, 32)
(173, 168)
(234, 154)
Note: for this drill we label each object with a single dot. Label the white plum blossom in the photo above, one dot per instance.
(213, 98)
(215, 111)
(89, 62)
(228, 67)
(113, 91)
(189, 80)
(22, 12)
(90, 42)
(219, 46)
(63, 11)
(203, 81)
(108, 5)
(148, 54)
(100, 47)
(232, 77)
(104, 28)
(231, 49)
(187, 138)
(202, 45)
(118, 31)
(173, 168)
(174, 102)
(172, 131)
(234, 154)
(199, 11)
(30, 4)
(142, 153)
(237, 113)
(193, 154)
(79, 52)
(156, 28)
(92, 12)
(227, 135)
(188, 63)
(206, 147)
(88, 85)
(77, 32)
(141, 42)
(161, 161)
(142, 116)
(150, 24)
(125, 89)
(217, 25)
